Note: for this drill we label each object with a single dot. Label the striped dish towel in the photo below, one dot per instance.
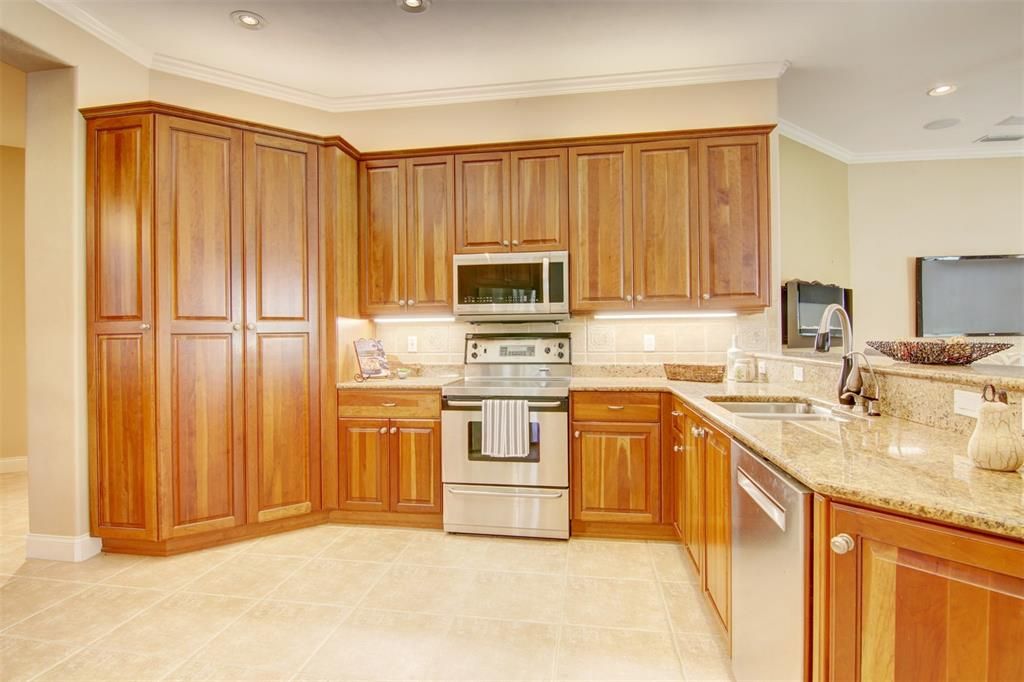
(505, 428)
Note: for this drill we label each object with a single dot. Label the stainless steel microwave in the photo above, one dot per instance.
(500, 287)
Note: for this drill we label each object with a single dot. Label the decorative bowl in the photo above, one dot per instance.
(938, 352)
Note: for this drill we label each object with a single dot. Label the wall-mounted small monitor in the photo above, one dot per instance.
(970, 296)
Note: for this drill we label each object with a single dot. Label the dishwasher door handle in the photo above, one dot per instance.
(776, 513)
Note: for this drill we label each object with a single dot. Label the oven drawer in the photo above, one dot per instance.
(499, 510)
(389, 404)
(616, 406)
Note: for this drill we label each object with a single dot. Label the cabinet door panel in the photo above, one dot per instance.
(119, 313)
(430, 202)
(679, 482)
(363, 466)
(734, 230)
(282, 371)
(665, 225)
(615, 472)
(415, 451)
(482, 202)
(540, 200)
(382, 235)
(917, 601)
(601, 227)
(200, 374)
(718, 530)
(693, 502)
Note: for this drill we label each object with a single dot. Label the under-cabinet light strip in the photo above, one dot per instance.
(406, 320)
(661, 316)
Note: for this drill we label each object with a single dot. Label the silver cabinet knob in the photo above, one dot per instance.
(677, 413)
(639, 298)
(504, 242)
(515, 242)
(576, 435)
(401, 301)
(394, 429)
(383, 429)
(706, 296)
(411, 302)
(145, 326)
(236, 326)
(677, 448)
(701, 432)
(629, 297)
(251, 326)
(842, 543)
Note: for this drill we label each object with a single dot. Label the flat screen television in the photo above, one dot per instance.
(970, 296)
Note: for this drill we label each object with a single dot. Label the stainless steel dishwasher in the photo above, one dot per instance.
(771, 514)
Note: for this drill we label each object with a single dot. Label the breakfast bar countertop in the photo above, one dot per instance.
(882, 462)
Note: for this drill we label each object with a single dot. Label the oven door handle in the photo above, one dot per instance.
(479, 403)
(494, 493)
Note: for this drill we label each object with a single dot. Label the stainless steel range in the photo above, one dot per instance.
(525, 494)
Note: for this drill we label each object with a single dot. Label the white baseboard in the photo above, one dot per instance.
(61, 547)
(10, 465)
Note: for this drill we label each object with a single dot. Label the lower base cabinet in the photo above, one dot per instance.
(909, 600)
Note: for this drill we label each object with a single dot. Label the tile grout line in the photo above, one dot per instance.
(667, 614)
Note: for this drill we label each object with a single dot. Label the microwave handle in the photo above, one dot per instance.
(547, 281)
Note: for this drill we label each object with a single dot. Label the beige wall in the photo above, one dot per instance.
(815, 215)
(899, 211)
(13, 441)
(12, 106)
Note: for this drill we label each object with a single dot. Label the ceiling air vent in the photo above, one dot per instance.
(1005, 137)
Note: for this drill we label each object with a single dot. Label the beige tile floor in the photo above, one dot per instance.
(349, 602)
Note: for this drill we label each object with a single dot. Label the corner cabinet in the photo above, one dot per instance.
(203, 297)
(910, 600)
(406, 235)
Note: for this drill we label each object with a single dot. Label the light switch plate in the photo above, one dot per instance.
(412, 344)
(966, 403)
(648, 342)
(798, 373)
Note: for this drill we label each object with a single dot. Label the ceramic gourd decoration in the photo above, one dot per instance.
(997, 442)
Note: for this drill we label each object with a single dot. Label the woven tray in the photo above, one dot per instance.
(711, 374)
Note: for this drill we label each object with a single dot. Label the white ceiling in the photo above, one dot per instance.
(855, 85)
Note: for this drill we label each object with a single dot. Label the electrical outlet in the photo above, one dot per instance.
(966, 403)
(648, 343)
(798, 373)
(762, 367)
(411, 344)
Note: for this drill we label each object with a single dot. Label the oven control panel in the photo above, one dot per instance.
(491, 349)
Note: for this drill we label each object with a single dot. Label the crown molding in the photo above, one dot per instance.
(816, 142)
(93, 26)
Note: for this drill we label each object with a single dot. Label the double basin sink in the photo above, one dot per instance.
(780, 410)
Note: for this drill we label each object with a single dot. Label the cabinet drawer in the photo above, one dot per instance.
(616, 406)
(389, 404)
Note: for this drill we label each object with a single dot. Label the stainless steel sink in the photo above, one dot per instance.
(777, 410)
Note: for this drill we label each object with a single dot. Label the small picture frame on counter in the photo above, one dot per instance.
(373, 362)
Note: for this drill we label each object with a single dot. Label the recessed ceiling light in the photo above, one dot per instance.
(941, 123)
(944, 89)
(249, 20)
(414, 6)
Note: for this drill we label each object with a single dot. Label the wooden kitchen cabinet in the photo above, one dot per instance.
(910, 600)
(121, 341)
(406, 235)
(717, 522)
(734, 222)
(693, 490)
(616, 472)
(601, 227)
(483, 202)
(540, 200)
(389, 452)
(201, 404)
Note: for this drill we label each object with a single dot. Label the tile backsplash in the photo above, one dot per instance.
(596, 341)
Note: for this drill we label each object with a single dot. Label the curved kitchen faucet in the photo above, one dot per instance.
(851, 384)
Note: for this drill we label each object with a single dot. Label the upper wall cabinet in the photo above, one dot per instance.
(511, 201)
(734, 225)
(669, 224)
(406, 234)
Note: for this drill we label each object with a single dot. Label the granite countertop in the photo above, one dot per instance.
(881, 462)
(394, 383)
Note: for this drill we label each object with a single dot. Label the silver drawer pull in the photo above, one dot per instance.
(494, 493)
(389, 404)
(616, 407)
(677, 413)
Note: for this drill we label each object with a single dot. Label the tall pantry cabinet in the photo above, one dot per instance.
(203, 285)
